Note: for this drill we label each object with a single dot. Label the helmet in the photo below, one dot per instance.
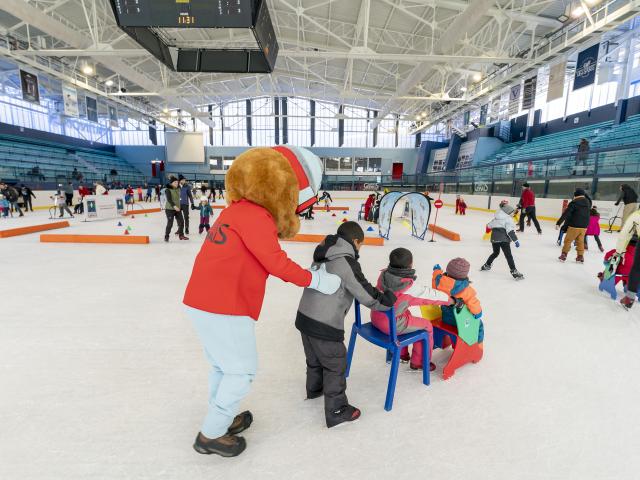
(308, 169)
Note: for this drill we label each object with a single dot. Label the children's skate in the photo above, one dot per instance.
(348, 413)
(627, 302)
(580, 259)
(485, 268)
(562, 257)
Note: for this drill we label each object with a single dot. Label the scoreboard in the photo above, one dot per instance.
(184, 13)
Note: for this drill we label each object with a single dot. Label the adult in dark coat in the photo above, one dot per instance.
(629, 197)
(27, 195)
(576, 216)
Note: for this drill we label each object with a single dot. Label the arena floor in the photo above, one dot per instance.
(102, 376)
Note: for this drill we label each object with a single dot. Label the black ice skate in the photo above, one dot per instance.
(517, 275)
(486, 267)
(240, 423)
(226, 446)
(166, 238)
(348, 413)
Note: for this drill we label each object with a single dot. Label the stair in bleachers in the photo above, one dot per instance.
(626, 133)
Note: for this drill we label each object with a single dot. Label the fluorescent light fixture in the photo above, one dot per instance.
(418, 118)
(165, 110)
(477, 77)
(109, 83)
(87, 70)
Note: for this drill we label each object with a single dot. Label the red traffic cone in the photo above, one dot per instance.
(344, 220)
(126, 232)
(333, 215)
(133, 216)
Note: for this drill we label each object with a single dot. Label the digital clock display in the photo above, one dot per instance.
(184, 13)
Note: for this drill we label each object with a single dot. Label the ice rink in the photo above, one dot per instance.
(102, 376)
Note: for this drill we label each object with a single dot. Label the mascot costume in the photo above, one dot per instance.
(266, 190)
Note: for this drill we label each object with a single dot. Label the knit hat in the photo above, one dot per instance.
(508, 209)
(204, 199)
(525, 184)
(579, 192)
(458, 268)
(308, 169)
(180, 177)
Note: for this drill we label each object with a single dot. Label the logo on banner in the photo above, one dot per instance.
(30, 89)
(586, 67)
(70, 99)
(481, 187)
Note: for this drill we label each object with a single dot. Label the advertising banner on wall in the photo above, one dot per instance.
(514, 99)
(494, 111)
(30, 90)
(586, 67)
(465, 156)
(113, 116)
(98, 207)
(92, 109)
(529, 95)
(465, 118)
(556, 81)
(70, 101)
(483, 114)
(438, 159)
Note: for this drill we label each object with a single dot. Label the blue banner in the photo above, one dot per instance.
(586, 67)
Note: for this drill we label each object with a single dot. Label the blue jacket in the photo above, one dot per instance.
(186, 197)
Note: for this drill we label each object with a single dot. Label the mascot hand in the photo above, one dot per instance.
(323, 281)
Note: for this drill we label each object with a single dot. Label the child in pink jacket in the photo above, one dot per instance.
(400, 277)
(593, 230)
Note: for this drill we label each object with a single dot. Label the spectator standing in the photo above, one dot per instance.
(629, 197)
(172, 209)
(27, 194)
(582, 155)
(186, 201)
(68, 193)
(528, 207)
(149, 193)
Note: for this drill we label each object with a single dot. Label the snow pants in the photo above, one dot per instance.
(576, 234)
(229, 343)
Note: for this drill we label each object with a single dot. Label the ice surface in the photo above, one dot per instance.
(102, 377)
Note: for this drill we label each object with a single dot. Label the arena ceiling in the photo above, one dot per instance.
(397, 56)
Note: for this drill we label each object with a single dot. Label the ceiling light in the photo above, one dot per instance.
(477, 77)
(418, 118)
(592, 2)
(463, 89)
(423, 114)
(109, 83)
(576, 12)
(165, 110)
(87, 70)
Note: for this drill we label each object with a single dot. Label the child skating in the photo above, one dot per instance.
(205, 214)
(401, 279)
(593, 230)
(502, 234)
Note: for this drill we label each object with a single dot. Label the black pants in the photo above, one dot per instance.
(28, 206)
(506, 248)
(326, 367)
(185, 215)
(69, 197)
(531, 213)
(596, 237)
(171, 214)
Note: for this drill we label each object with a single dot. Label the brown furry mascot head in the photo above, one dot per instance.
(284, 180)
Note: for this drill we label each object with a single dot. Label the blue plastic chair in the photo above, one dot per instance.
(393, 343)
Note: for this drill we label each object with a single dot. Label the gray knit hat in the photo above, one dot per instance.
(458, 268)
(508, 209)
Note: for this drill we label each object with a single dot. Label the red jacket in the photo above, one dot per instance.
(240, 251)
(528, 198)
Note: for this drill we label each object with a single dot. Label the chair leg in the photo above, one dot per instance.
(352, 346)
(389, 356)
(426, 362)
(393, 376)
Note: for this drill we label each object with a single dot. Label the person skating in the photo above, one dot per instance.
(186, 201)
(27, 195)
(68, 193)
(61, 203)
(502, 234)
(239, 254)
(629, 198)
(172, 209)
(593, 230)
(320, 320)
(12, 196)
(528, 207)
(576, 216)
(205, 214)
(629, 233)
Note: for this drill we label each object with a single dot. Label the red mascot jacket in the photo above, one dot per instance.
(240, 251)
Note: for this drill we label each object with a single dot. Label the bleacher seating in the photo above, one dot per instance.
(20, 160)
(627, 133)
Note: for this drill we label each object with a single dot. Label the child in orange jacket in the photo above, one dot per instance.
(455, 283)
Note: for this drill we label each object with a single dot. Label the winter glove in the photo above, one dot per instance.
(478, 315)
(323, 281)
(437, 267)
(517, 243)
(557, 227)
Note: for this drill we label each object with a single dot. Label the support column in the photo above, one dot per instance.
(340, 126)
(312, 106)
(248, 122)
(285, 124)
(397, 130)
(276, 123)
(210, 108)
(375, 130)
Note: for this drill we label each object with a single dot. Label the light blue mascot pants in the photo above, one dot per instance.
(229, 343)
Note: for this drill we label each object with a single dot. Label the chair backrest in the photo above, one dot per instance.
(391, 316)
(468, 325)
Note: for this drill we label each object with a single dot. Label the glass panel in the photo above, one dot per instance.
(566, 189)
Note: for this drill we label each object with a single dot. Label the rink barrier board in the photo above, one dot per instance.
(451, 235)
(13, 232)
(111, 239)
(146, 210)
(605, 226)
(314, 238)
